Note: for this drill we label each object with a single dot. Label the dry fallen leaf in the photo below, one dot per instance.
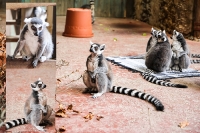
(58, 80)
(99, 117)
(76, 111)
(61, 112)
(70, 107)
(62, 129)
(183, 124)
(89, 116)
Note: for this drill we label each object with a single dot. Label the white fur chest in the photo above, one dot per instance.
(31, 42)
(92, 64)
(42, 98)
(176, 46)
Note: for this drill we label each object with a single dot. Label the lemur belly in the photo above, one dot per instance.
(92, 64)
(176, 46)
(31, 42)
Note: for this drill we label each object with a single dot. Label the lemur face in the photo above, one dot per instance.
(35, 25)
(175, 35)
(161, 35)
(97, 49)
(38, 85)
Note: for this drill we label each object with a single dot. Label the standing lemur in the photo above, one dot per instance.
(35, 41)
(98, 78)
(36, 109)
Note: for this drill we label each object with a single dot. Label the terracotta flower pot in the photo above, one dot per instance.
(78, 23)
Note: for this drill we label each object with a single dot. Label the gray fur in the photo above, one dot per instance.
(35, 43)
(98, 78)
(158, 58)
(36, 109)
(180, 58)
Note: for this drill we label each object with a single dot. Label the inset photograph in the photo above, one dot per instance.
(31, 33)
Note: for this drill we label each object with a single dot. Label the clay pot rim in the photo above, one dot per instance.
(79, 9)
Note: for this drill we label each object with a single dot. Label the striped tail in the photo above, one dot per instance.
(135, 93)
(14, 123)
(195, 55)
(147, 75)
(194, 61)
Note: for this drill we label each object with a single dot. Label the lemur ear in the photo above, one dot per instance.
(39, 78)
(91, 43)
(33, 85)
(152, 29)
(46, 24)
(102, 47)
(27, 20)
(164, 32)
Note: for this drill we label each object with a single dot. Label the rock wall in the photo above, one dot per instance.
(166, 14)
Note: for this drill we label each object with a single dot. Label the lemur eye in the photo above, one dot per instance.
(33, 28)
(40, 28)
(39, 85)
(96, 48)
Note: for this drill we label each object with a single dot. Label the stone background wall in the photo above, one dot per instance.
(166, 14)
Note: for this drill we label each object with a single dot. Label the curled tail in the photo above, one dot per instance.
(147, 75)
(195, 55)
(135, 93)
(194, 61)
(14, 123)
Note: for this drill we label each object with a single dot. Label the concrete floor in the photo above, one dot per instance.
(122, 114)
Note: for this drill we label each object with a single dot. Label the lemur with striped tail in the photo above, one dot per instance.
(90, 6)
(158, 59)
(99, 76)
(36, 109)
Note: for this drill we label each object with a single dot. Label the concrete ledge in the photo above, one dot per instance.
(21, 64)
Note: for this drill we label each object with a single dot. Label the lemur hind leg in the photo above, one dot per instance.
(102, 84)
(91, 86)
(46, 116)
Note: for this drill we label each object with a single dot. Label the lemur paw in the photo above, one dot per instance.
(43, 58)
(35, 62)
(40, 128)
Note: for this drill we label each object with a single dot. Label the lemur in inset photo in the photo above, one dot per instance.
(36, 109)
(98, 78)
(35, 41)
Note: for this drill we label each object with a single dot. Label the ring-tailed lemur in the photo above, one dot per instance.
(147, 74)
(90, 6)
(35, 41)
(98, 78)
(158, 58)
(180, 58)
(152, 40)
(36, 109)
